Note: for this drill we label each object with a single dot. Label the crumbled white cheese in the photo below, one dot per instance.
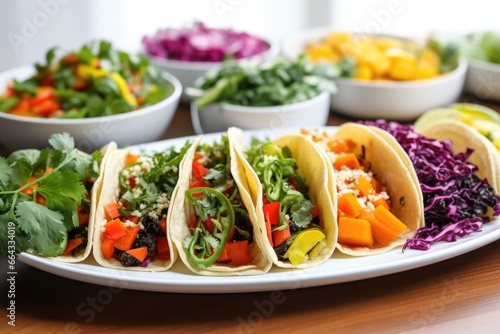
(204, 160)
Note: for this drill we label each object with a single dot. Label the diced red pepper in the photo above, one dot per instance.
(240, 253)
(199, 170)
(272, 213)
(225, 255)
(209, 224)
(280, 236)
(163, 224)
(315, 211)
(162, 245)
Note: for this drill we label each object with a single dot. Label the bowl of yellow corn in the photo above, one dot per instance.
(383, 76)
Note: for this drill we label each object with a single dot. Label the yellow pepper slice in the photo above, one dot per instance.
(302, 245)
(123, 87)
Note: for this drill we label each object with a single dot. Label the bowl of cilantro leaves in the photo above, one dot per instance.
(97, 94)
(262, 95)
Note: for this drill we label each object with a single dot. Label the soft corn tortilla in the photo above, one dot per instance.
(392, 170)
(109, 193)
(312, 166)
(485, 155)
(95, 193)
(183, 212)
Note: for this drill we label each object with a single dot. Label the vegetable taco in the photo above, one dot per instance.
(134, 210)
(379, 204)
(49, 198)
(454, 170)
(215, 228)
(289, 184)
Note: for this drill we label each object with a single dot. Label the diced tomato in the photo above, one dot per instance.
(199, 170)
(42, 96)
(131, 182)
(45, 108)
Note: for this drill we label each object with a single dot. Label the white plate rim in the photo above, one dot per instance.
(339, 269)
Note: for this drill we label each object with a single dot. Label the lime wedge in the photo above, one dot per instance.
(432, 116)
(485, 127)
(494, 137)
(476, 111)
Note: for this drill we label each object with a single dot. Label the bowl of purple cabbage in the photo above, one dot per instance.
(189, 52)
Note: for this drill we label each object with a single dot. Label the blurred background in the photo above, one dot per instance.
(29, 27)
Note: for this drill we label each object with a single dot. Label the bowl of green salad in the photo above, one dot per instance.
(97, 94)
(482, 50)
(262, 95)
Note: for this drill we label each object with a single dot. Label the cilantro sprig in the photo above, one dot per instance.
(57, 174)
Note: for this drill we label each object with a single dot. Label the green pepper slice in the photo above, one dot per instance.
(201, 252)
(273, 181)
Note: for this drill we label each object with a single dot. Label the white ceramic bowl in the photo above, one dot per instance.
(220, 116)
(187, 72)
(483, 80)
(141, 126)
(401, 101)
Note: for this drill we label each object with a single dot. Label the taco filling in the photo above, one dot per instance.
(220, 229)
(457, 202)
(292, 219)
(364, 206)
(135, 230)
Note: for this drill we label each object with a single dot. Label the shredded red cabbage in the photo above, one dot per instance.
(145, 263)
(199, 43)
(456, 200)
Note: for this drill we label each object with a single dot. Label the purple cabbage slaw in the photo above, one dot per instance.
(456, 200)
(202, 44)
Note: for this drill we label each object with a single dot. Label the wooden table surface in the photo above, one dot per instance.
(460, 295)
